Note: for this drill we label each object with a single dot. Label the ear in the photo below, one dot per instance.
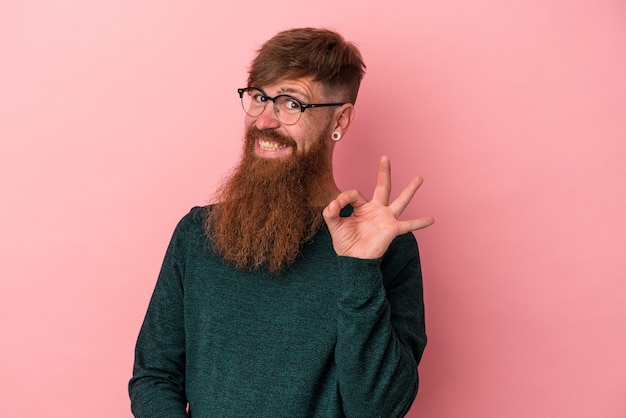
(343, 118)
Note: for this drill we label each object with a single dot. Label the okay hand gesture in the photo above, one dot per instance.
(374, 224)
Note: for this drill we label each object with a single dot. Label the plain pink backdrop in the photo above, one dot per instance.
(117, 116)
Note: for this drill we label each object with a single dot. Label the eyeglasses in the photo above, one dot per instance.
(287, 108)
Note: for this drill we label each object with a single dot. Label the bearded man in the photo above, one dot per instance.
(288, 297)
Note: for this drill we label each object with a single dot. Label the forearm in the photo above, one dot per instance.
(376, 358)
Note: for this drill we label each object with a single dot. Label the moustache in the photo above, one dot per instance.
(252, 133)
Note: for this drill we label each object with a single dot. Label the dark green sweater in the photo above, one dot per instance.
(323, 339)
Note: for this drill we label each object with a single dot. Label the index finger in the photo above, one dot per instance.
(350, 197)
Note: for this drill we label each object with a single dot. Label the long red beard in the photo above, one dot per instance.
(265, 212)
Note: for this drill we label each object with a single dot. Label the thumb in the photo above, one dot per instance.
(331, 212)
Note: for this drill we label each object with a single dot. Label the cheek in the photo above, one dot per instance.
(248, 121)
(300, 137)
(312, 135)
(308, 143)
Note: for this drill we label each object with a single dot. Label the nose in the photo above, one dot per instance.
(267, 119)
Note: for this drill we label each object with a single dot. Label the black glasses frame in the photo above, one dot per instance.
(265, 97)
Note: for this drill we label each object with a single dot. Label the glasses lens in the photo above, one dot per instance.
(288, 110)
(253, 102)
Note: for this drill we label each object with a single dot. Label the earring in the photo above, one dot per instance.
(336, 136)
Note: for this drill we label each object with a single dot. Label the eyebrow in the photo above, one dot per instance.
(291, 90)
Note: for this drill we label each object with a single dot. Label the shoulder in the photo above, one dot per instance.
(197, 215)
(193, 223)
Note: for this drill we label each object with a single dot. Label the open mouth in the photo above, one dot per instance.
(266, 145)
(270, 144)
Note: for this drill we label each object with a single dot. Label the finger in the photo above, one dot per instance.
(350, 197)
(383, 181)
(415, 224)
(332, 210)
(402, 201)
(331, 213)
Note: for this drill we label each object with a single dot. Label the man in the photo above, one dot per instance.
(288, 298)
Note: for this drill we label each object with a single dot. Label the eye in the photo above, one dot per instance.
(292, 104)
(257, 96)
(288, 104)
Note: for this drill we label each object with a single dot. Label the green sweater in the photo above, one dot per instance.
(330, 337)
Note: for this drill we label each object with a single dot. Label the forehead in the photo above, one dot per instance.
(302, 88)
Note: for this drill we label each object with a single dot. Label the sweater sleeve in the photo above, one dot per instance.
(381, 333)
(157, 388)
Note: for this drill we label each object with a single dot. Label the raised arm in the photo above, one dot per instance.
(381, 331)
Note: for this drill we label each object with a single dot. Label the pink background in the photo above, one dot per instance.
(117, 116)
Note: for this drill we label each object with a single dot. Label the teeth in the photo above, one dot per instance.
(271, 146)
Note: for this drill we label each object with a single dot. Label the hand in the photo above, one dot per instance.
(374, 224)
